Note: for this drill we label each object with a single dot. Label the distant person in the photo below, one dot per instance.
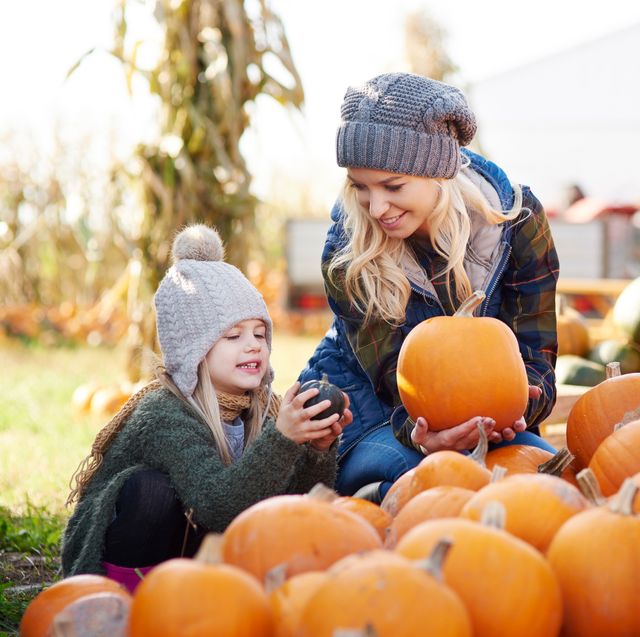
(208, 439)
(421, 223)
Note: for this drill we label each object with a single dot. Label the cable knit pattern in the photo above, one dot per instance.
(198, 300)
(404, 123)
(163, 433)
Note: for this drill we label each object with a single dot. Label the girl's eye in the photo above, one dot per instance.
(260, 335)
(232, 337)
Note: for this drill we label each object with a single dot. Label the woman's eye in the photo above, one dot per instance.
(394, 188)
(358, 187)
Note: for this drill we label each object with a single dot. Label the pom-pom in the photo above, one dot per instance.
(199, 242)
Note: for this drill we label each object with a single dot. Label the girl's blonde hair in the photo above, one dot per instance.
(369, 265)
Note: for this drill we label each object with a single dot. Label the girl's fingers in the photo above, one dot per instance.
(289, 395)
(302, 397)
(314, 410)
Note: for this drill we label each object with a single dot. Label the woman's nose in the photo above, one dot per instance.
(378, 205)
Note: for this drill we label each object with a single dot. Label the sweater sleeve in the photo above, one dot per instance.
(181, 446)
(528, 303)
(313, 467)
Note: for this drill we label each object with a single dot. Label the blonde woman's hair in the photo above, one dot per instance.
(369, 266)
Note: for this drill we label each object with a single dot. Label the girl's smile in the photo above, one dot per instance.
(239, 359)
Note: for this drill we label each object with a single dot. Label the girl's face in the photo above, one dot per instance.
(400, 204)
(239, 360)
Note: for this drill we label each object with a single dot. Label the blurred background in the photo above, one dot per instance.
(122, 120)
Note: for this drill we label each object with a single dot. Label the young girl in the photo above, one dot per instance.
(208, 439)
(421, 224)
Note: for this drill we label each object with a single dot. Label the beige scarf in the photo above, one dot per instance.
(231, 406)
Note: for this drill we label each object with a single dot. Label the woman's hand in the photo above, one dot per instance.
(458, 438)
(294, 420)
(509, 433)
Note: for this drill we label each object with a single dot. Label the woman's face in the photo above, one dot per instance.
(400, 204)
(239, 360)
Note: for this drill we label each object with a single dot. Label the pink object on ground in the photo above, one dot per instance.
(124, 575)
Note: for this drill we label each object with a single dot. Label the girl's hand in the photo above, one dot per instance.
(509, 433)
(322, 444)
(458, 438)
(294, 420)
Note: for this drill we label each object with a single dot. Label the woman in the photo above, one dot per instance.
(421, 224)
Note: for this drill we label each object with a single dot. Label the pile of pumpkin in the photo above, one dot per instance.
(581, 360)
(457, 548)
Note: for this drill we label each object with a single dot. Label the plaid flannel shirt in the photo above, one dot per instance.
(528, 287)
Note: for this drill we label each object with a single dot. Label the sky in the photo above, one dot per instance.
(335, 43)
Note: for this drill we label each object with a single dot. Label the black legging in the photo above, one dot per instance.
(150, 524)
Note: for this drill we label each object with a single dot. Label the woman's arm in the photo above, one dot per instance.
(528, 303)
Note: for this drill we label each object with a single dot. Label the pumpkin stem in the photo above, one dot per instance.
(470, 304)
(558, 463)
(367, 631)
(275, 577)
(434, 562)
(210, 551)
(494, 515)
(480, 452)
(498, 473)
(613, 369)
(322, 493)
(623, 501)
(325, 378)
(590, 487)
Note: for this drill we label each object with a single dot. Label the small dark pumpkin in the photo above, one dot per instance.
(327, 391)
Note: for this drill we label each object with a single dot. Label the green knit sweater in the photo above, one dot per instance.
(163, 433)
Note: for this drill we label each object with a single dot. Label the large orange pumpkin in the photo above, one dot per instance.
(47, 604)
(452, 368)
(398, 494)
(617, 457)
(186, 597)
(438, 502)
(536, 505)
(390, 598)
(299, 532)
(595, 556)
(597, 411)
(506, 584)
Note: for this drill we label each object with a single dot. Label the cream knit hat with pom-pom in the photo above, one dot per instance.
(198, 300)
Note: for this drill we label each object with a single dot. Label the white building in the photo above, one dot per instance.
(573, 117)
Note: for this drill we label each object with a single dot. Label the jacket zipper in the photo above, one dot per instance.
(496, 277)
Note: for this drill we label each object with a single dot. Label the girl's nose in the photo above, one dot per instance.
(254, 343)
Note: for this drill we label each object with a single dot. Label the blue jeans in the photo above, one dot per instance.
(380, 457)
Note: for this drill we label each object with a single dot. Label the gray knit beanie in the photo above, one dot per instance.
(404, 123)
(198, 300)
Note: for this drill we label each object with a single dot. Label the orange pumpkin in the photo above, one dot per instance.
(506, 585)
(47, 604)
(597, 411)
(595, 556)
(453, 469)
(617, 457)
(438, 502)
(536, 505)
(528, 459)
(398, 494)
(390, 599)
(452, 368)
(289, 599)
(186, 597)
(573, 332)
(377, 517)
(299, 532)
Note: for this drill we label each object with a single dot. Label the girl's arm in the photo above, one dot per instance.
(528, 303)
